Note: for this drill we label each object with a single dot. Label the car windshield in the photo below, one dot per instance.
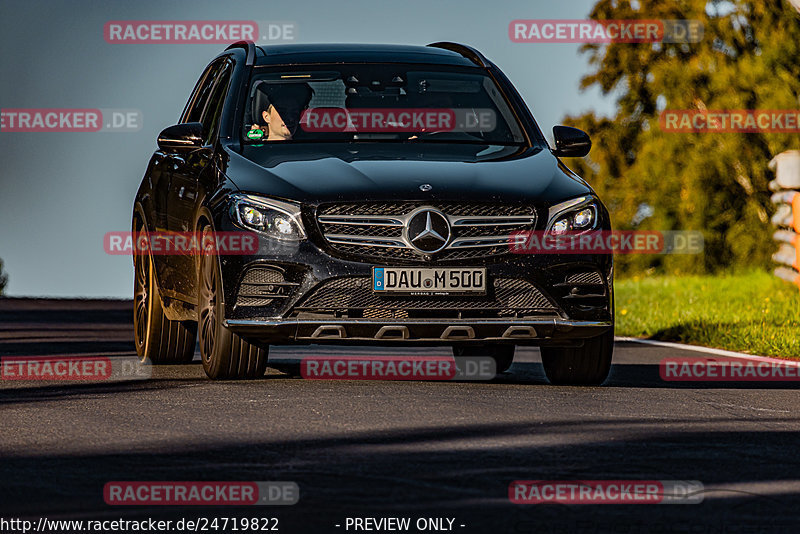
(377, 102)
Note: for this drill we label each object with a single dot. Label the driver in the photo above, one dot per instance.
(287, 101)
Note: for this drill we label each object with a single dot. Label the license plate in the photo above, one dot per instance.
(426, 281)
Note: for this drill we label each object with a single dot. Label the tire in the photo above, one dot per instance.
(224, 353)
(503, 355)
(157, 338)
(588, 365)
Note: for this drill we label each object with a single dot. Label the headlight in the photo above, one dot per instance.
(576, 215)
(561, 227)
(273, 218)
(584, 218)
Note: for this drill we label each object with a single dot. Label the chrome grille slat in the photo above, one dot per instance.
(365, 240)
(488, 241)
(501, 220)
(365, 220)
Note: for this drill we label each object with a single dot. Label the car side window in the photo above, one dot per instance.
(213, 109)
(202, 92)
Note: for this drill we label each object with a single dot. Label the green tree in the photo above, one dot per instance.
(3, 278)
(712, 182)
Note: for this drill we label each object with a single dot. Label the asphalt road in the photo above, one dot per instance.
(389, 449)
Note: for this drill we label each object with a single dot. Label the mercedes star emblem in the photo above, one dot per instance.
(425, 187)
(428, 231)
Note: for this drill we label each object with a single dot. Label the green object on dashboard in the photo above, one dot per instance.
(255, 134)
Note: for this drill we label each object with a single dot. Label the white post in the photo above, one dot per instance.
(786, 184)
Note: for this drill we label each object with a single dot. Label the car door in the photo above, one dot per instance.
(167, 265)
(158, 175)
(185, 192)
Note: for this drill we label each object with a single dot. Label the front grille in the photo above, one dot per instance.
(585, 289)
(374, 313)
(262, 275)
(505, 296)
(589, 277)
(378, 229)
(252, 301)
(263, 286)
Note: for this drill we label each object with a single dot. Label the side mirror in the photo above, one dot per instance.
(571, 141)
(185, 136)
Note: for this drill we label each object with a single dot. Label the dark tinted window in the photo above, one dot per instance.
(201, 94)
(213, 109)
(378, 102)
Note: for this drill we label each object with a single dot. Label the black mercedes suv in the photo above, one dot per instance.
(384, 186)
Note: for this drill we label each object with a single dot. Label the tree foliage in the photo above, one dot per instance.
(3, 278)
(749, 58)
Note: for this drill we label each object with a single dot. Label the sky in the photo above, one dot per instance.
(61, 192)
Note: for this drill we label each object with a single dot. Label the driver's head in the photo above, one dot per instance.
(287, 101)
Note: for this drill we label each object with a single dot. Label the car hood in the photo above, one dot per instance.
(317, 173)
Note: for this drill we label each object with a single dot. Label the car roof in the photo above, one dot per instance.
(358, 53)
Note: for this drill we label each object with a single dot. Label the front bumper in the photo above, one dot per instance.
(542, 299)
(552, 331)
